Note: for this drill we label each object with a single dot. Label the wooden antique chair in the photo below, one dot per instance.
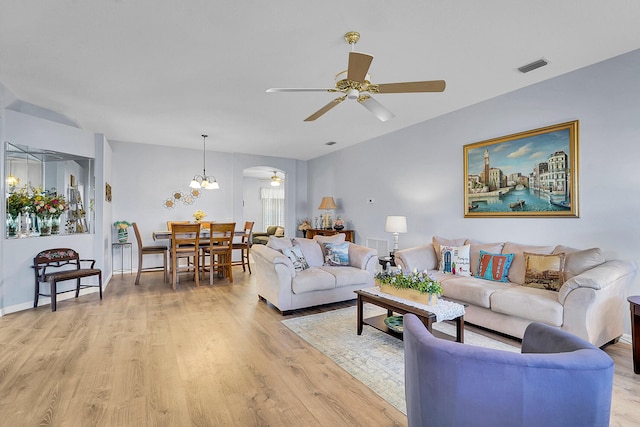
(149, 250)
(170, 223)
(58, 265)
(244, 246)
(185, 239)
(219, 250)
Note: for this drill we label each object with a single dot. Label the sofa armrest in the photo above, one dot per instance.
(598, 277)
(273, 257)
(418, 258)
(361, 256)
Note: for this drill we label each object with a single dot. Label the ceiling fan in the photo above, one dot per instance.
(275, 180)
(354, 84)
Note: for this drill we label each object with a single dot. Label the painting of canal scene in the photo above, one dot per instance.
(529, 174)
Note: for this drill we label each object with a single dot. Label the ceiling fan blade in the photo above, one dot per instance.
(408, 87)
(376, 108)
(324, 109)
(298, 89)
(358, 66)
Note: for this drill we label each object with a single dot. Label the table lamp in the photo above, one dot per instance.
(395, 225)
(327, 204)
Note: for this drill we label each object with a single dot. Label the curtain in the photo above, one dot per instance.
(272, 206)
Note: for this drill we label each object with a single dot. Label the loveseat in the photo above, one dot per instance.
(311, 281)
(590, 300)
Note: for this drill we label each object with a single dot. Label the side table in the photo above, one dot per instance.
(122, 247)
(634, 302)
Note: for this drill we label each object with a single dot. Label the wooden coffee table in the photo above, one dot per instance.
(425, 316)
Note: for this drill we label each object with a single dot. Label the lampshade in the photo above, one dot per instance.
(396, 224)
(327, 203)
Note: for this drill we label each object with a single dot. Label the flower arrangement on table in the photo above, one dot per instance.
(17, 202)
(304, 225)
(199, 215)
(421, 281)
(338, 224)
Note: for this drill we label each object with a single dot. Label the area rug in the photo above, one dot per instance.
(374, 358)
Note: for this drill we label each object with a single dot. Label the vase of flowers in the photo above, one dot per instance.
(16, 204)
(122, 228)
(199, 215)
(417, 286)
(12, 223)
(338, 224)
(304, 225)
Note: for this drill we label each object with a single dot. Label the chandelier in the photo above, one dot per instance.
(204, 181)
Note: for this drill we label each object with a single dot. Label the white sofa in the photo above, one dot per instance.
(278, 282)
(590, 304)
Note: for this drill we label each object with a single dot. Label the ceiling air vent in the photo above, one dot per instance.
(535, 64)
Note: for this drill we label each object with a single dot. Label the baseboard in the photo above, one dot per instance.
(625, 338)
(47, 300)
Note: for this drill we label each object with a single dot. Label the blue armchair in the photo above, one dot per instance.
(557, 380)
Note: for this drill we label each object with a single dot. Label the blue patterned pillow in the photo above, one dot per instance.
(336, 254)
(494, 267)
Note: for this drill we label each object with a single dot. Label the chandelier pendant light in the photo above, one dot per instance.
(204, 181)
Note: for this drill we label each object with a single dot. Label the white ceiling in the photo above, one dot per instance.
(166, 71)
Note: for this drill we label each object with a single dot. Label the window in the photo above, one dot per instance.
(272, 206)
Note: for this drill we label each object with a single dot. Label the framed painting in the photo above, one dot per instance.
(528, 174)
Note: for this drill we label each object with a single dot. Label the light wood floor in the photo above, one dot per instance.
(208, 356)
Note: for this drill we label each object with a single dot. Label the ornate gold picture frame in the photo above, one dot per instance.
(527, 174)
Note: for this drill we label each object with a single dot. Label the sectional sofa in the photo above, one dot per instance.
(590, 303)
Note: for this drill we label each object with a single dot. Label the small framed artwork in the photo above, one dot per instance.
(107, 192)
(528, 174)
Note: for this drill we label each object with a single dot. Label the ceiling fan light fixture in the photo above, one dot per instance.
(353, 94)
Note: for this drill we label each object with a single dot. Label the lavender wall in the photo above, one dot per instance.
(418, 171)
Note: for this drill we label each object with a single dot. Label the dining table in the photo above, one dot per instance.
(204, 234)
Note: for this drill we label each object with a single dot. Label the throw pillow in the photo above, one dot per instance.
(279, 232)
(544, 271)
(294, 253)
(336, 253)
(494, 267)
(336, 238)
(311, 250)
(455, 260)
(476, 247)
(441, 241)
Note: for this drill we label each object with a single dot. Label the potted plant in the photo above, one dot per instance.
(417, 286)
(122, 229)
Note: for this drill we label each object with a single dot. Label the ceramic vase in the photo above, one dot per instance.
(123, 235)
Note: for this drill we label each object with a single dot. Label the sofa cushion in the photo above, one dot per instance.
(544, 271)
(470, 289)
(348, 276)
(279, 232)
(455, 260)
(312, 279)
(336, 254)
(578, 261)
(517, 270)
(311, 251)
(336, 238)
(442, 241)
(294, 253)
(538, 305)
(279, 243)
(476, 247)
(494, 267)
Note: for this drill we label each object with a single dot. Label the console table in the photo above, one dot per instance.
(349, 234)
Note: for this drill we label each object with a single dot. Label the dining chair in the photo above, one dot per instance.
(185, 240)
(149, 250)
(169, 223)
(219, 250)
(244, 246)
